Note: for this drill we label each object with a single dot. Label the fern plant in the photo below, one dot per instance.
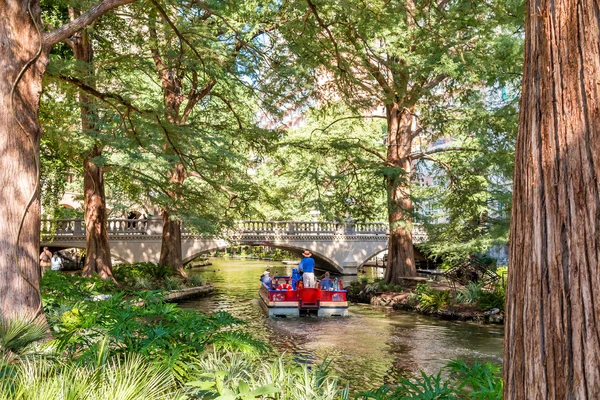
(470, 295)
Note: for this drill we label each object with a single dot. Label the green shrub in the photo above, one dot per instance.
(476, 382)
(131, 377)
(470, 295)
(237, 376)
(434, 302)
(195, 280)
(171, 284)
(423, 288)
(494, 298)
(425, 387)
(143, 283)
(412, 300)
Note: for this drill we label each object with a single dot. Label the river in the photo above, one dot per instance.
(371, 346)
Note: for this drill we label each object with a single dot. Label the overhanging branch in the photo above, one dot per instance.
(423, 154)
(85, 19)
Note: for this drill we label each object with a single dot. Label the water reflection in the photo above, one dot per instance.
(371, 346)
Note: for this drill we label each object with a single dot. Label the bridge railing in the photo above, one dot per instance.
(76, 227)
(127, 226)
(380, 228)
(153, 226)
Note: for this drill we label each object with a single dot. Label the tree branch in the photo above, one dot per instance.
(85, 19)
(423, 154)
(344, 118)
(196, 97)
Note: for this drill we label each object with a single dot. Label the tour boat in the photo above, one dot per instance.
(303, 301)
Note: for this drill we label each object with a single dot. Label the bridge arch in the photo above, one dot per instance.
(321, 261)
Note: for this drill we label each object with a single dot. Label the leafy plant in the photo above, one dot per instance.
(426, 387)
(434, 302)
(470, 295)
(131, 377)
(16, 336)
(494, 298)
(171, 284)
(478, 381)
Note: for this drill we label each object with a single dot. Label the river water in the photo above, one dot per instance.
(371, 346)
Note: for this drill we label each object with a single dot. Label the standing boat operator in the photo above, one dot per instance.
(307, 269)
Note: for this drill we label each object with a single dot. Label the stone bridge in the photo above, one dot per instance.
(340, 247)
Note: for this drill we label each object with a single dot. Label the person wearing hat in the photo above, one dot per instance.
(266, 279)
(307, 269)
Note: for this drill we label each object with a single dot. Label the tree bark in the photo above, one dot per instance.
(97, 260)
(401, 258)
(97, 246)
(552, 344)
(19, 159)
(170, 250)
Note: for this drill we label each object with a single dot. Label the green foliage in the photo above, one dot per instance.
(236, 376)
(494, 298)
(434, 301)
(195, 280)
(426, 387)
(130, 377)
(17, 336)
(84, 319)
(171, 284)
(477, 382)
(470, 295)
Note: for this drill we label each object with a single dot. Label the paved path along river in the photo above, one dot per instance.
(370, 346)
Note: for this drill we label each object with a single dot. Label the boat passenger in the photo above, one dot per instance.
(326, 282)
(266, 279)
(307, 269)
(296, 277)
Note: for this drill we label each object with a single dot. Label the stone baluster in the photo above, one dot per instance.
(78, 229)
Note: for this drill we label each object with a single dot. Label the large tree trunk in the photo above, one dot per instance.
(19, 159)
(552, 344)
(97, 246)
(401, 258)
(97, 259)
(170, 250)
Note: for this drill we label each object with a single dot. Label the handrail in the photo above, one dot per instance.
(153, 226)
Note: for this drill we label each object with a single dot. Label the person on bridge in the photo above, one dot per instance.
(45, 260)
(307, 269)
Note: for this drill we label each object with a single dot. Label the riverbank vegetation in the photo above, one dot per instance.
(133, 345)
(474, 302)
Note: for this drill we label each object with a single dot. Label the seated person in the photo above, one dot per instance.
(326, 282)
(284, 286)
(266, 279)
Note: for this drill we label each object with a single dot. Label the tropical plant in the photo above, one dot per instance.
(434, 301)
(470, 295)
(17, 336)
(477, 381)
(425, 387)
(494, 298)
(234, 375)
(131, 377)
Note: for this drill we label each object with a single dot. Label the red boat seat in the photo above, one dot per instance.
(308, 298)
